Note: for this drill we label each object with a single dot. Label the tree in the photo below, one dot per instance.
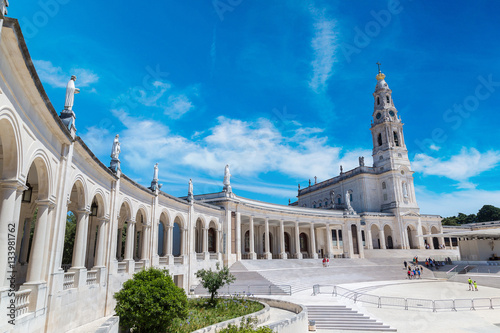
(150, 301)
(488, 213)
(214, 280)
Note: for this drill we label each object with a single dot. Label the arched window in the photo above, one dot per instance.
(381, 157)
(384, 186)
(388, 99)
(396, 139)
(350, 196)
(378, 100)
(326, 203)
(379, 139)
(320, 204)
(339, 199)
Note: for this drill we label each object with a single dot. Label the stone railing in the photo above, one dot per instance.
(163, 261)
(122, 267)
(178, 260)
(214, 256)
(69, 280)
(200, 256)
(91, 278)
(138, 266)
(22, 302)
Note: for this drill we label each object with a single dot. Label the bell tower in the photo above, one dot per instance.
(390, 156)
(389, 148)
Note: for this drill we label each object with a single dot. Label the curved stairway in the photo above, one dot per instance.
(342, 318)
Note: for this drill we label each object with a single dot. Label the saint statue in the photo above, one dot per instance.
(70, 93)
(348, 200)
(115, 150)
(405, 190)
(341, 169)
(227, 176)
(190, 188)
(361, 161)
(332, 197)
(155, 175)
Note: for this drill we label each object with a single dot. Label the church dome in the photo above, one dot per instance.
(381, 84)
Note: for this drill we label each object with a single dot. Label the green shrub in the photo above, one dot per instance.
(246, 326)
(150, 301)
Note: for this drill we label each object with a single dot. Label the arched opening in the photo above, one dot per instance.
(95, 246)
(304, 244)
(435, 240)
(387, 98)
(69, 241)
(211, 240)
(32, 254)
(121, 236)
(378, 100)
(388, 235)
(177, 246)
(247, 241)
(270, 242)
(375, 236)
(198, 235)
(396, 139)
(139, 235)
(379, 139)
(355, 243)
(161, 239)
(412, 237)
(384, 186)
(287, 242)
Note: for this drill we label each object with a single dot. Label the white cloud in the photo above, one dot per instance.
(450, 204)
(324, 47)
(469, 163)
(58, 78)
(177, 106)
(251, 148)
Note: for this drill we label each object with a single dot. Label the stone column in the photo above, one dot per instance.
(253, 255)
(119, 245)
(164, 246)
(8, 225)
(420, 240)
(228, 234)
(267, 253)
(79, 249)
(313, 242)
(369, 240)
(101, 246)
(283, 254)
(37, 260)
(405, 242)
(361, 248)
(451, 243)
(238, 236)
(382, 239)
(298, 255)
(169, 240)
(347, 240)
(129, 242)
(329, 247)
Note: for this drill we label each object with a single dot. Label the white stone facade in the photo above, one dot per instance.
(123, 227)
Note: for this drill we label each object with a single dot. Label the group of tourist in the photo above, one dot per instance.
(413, 270)
(472, 285)
(326, 262)
(434, 263)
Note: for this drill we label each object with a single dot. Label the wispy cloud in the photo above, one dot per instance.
(461, 167)
(324, 48)
(55, 76)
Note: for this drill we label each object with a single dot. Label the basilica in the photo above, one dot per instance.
(47, 173)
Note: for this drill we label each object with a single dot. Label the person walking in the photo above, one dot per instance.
(405, 263)
(470, 284)
(475, 285)
(418, 271)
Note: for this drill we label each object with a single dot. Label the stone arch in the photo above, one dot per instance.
(411, 231)
(304, 242)
(94, 242)
(140, 236)
(389, 240)
(124, 219)
(375, 231)
(212, 236)
(102, 203)
(287, 242)
(198, 235)
(435, 240)
(41, 163)
(163, 225)
(10, 146)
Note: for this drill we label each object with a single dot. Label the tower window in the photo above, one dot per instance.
(381, 157)
(388, 99)
(378, 100)
(384, 186)
(339, 199)
(396, 139)
(385, 196)
(350, 196)
(379, 139)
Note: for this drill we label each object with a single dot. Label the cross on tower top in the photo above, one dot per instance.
(378, 64)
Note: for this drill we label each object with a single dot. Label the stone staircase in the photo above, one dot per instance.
(342, 318)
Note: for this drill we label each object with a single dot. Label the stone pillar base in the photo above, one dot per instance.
(37, 296)
(283, 255)
(146, 263)
(315, 256)
(299, 255)
(206, 256)
(253, 256)
(101, 275)
(80, 280)
(268, 255)
(130, 265)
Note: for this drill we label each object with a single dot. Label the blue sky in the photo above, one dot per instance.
(281, 91)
